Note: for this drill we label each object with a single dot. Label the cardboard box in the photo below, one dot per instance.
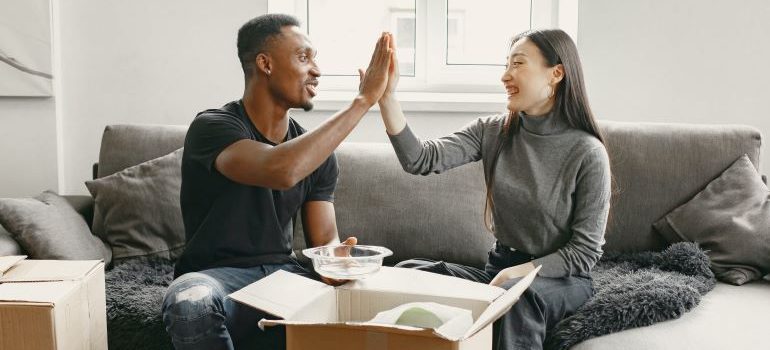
(52, 304)
(321, 317)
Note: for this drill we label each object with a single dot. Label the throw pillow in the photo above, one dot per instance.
(47, 227)
(137, 210)
(730, 219)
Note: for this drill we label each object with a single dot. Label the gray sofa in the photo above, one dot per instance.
(656, 167)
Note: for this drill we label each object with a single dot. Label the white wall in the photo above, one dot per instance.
(686, 61)
(161, 62)
(142, 61)
(28, 153)
(27, 146)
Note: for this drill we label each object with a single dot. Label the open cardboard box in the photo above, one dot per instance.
(52, 304)
(320, 317)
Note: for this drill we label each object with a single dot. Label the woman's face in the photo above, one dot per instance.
(530, 83)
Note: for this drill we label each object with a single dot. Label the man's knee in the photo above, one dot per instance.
(193, 307)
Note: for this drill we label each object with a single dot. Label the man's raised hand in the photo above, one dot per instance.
(375, 80)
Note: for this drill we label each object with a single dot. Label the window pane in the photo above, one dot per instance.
(345, 32)
(478, 32)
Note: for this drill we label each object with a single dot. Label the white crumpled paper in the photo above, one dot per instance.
(449, 321)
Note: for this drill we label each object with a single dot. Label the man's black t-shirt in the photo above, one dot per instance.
(231, 224)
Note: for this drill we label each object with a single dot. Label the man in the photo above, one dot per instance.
(247, 169)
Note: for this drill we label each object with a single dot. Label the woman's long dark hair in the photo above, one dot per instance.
(571, 100)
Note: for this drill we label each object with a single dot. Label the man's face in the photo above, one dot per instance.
(294, 73)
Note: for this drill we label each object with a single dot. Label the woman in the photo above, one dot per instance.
(548, 183)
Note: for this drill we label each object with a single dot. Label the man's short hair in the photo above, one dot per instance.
(253, 37)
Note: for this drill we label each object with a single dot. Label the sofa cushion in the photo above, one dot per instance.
(437, 217)
(137, 209)
(731, 219)
(83, 204)
(658, 167)
(47, 227)
(637, 289)
(728, 317)
(124, 146)
(8, 245)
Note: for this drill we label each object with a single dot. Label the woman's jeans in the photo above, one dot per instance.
(199, 315)
(546, 302)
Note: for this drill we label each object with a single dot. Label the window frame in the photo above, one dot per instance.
(435, 82)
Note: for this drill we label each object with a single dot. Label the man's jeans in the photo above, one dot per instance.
(199, 315)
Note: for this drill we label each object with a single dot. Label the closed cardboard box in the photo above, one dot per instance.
(52, 304)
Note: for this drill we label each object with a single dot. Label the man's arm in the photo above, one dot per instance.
(282, 166)
(319, 223)
(320, 226)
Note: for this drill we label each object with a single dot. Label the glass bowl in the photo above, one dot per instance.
(346, 262)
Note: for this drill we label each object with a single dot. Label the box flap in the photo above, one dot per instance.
(503, 303)
(401, 280)
(6, 262)
(49, 270)
(285, 295)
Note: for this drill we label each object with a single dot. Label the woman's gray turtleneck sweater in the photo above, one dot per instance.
(551, 187)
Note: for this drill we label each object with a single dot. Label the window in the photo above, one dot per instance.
(444, 46)
(475, 35)
(345, 42)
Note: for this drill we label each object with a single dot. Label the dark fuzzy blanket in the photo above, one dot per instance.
(632, 290)
(636, 290)
(135, 290)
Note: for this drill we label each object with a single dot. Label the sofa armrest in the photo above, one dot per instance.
(84, 205)
(8, 245)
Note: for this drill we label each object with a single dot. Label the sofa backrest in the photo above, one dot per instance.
(656, 167)
(438, 216)
(124, 146)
